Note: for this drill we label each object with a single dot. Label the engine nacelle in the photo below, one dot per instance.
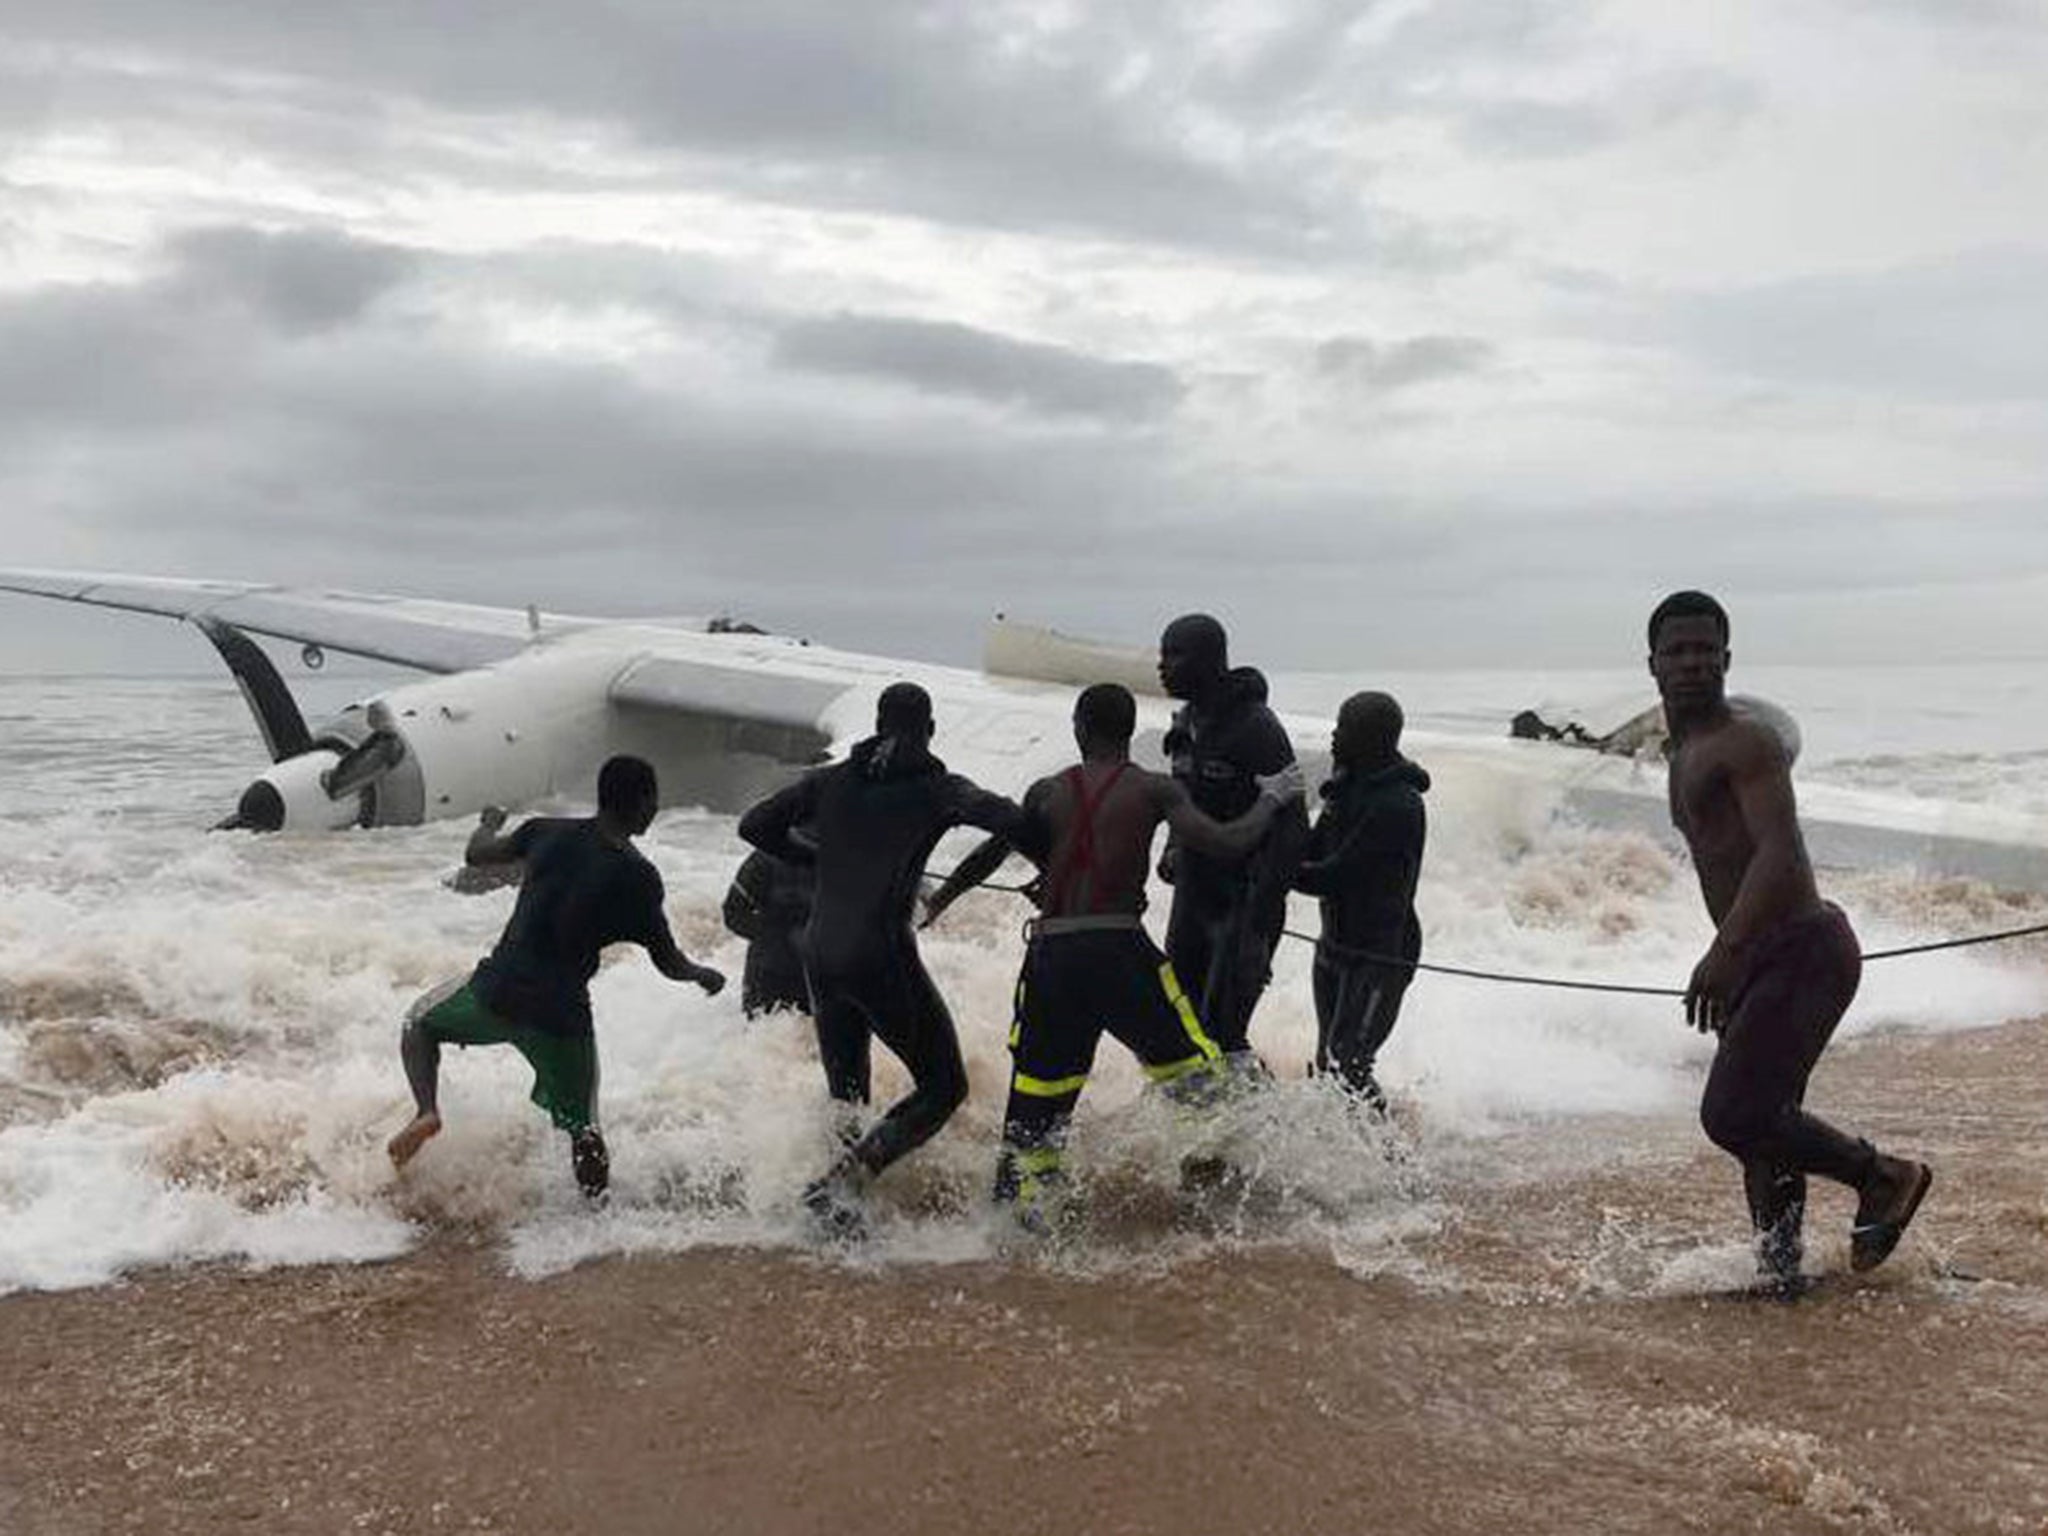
(533, 726)
(292, 797)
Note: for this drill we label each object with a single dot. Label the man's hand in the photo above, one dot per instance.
(1288, 784)
(1708, 994)
(491, 817)
(713, 982)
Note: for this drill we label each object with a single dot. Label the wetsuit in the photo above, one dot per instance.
(581, 892)
(1798, 983)
(768, 904)
(874, 819)
(1226, 918)
(1090, 967)
(1363, 859)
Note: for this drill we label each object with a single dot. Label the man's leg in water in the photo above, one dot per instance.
(1241, 945)
(1356, 1006)
(1753, 1108)
(1052, 1048)
(1191, 946)
(910, 1018)
(845, 1033)
(420, 1051)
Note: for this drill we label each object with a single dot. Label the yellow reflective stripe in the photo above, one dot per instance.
(1173, 1071)
(1047, 1087)
(1017, 1015)
(1036, 1160)
(1186, 1010)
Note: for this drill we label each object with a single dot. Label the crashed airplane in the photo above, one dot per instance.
(520, 706)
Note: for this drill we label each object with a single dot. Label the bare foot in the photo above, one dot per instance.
(416, 1135)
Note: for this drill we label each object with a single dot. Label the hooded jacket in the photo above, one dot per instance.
(1364, 858)
(1218, 753)
(874, 819)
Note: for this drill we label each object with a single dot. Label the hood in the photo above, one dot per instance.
(1244, 685)
(1399, 771)
(886, 758)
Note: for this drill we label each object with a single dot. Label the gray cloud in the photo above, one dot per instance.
(1966, 328)
(301, 280)
(942, 356)
(968, 113)
(1540, 128)
(1388, 366)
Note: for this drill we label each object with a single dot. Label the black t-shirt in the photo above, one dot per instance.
(581, 892)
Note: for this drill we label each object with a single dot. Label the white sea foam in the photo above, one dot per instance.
(197, 1032)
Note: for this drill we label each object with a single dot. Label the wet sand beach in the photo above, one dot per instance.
(1564, 1360)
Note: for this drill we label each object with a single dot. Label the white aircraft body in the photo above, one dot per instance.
(522, 707)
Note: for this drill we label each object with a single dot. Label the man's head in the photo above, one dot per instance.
(1193, 654)
(1689, 652)
(1104, 716)
(627, 794)
(1368, 731)
(904, 711)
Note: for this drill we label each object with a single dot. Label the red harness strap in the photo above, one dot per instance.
(1079, 858)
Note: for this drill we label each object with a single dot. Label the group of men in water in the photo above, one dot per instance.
(830, 898)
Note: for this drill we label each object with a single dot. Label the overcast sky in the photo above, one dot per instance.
(1394, 331)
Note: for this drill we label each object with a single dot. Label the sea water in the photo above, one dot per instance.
(198, 1031)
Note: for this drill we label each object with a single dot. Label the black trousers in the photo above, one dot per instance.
(1223, 951)
(774, 975)
(1357, 1003)
(1798, 985)
(890, 999)
(1074, 988)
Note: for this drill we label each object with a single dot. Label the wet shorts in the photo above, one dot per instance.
(564, 1066)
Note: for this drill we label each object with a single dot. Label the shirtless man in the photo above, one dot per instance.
(1783, 965)
(1090, 965)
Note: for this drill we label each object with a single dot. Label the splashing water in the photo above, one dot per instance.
(198, 1044)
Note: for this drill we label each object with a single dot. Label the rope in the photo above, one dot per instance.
(1568, 984)
(1561, 982)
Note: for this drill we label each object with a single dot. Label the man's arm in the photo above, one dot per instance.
(1386, 841)
(746, 899)
(486, 846)
(1227, 840)
(771, 825)
(660, 943)
(1271, 864)
(988, 857)
(1776, 879)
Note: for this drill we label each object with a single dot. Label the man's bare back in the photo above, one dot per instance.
(1102, 817)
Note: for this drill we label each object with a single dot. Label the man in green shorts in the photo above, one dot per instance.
(586, 886)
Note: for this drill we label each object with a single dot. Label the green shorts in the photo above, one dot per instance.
(564, 1066)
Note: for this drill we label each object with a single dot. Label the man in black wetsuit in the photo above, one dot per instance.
(1783, 965)
(872, 821)
(1226, 918)
(1090, 966)
(1363, 858)
(767, 905)
(586, 886)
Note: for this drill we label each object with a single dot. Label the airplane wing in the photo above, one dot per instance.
(413, 632)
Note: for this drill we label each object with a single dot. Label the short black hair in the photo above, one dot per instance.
(1688, 605)
(903, 707)
(623, 783)
(1106, 712)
